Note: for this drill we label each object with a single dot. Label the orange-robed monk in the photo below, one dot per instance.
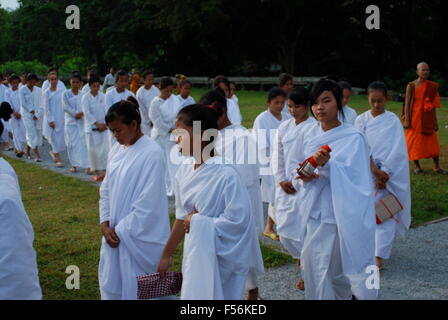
(420, 120)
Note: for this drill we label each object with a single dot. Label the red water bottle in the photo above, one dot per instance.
(308, 167)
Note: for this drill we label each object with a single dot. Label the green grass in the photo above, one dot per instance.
(64, 210)
(64, 214)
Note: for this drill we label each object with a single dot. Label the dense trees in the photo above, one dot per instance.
(234, 37)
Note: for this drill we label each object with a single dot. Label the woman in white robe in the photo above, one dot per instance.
(233, 108)
(237, 147)
(162, 112)
(116, 94)
(348, 115)
(19, 279)
(32, 114)
(184, 97)
(75, 138)
(97, 135)
(16, 121)
(145, 95)
(337, 214)
(54, 122)
(213, 209)
(286, 201)
(133, 207)
(388, 153)
(265, 128)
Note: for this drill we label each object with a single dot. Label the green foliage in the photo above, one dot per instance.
(24, 66)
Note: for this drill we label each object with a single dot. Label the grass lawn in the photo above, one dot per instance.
(64, 210)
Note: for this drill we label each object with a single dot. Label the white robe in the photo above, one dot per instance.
(6, 168)
(235, 145)
(233, 112)
(3, 91)
(144, 98)
(388, 151)
(163, 115)
(133, 200)
(216, 262)
(75, 138)
(265, 128)
(19, 279)
(17, 125)
(94, 109)
(185, 102)
(286, 214)
(340, 201)
(349, 115)
(47, 84)
(54, 112)
(32, 101)
(235, 99)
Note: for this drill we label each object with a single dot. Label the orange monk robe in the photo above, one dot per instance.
(423, 146)
(135, 81)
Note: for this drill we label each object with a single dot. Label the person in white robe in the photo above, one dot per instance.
(213, 212)
(16, 121)
(145, 95)
(133, 207)
(233, 108)
(286, 83)
(163, 112)
(184, 94)
(264, 129)
(32, 114)
(348, 115)
(286, 201)
(75, 139)
(233, 95)
(93, 105)
(118, 93)
(337, 214)
(19, 278)
(389, 164)
(109, 79)
(23, 76)
(237, 147)
(54, 122)
(46, 84)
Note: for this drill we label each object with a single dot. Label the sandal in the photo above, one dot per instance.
(441, 171)
(273, 236)
(419, 172)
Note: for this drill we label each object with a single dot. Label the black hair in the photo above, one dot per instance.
(31, 76)
(53, 69)
(134, 101)
(284, 78)
(377, 86)
(300, 96)
(24, 73)
(275, 92)
(326, 85)
(5, 111)
(14, 77)
(233, 82)
(1, 128)
(345, 85)
(165, 82)
(207, 115)
(1, 76)
(124, 111)
(93, 80)
(76, 75)
(147, 73)
(184, 83)
(221, 79)
(217, 98)
(120, 73)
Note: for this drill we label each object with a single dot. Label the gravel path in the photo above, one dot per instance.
(418, 269)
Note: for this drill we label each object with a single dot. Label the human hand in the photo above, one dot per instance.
(288, 187)
(321, 157)
(111, 237)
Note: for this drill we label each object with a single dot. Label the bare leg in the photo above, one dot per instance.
(269, 226)
(436, 163)
(253, 294)
(36, 152)
(417, 165)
